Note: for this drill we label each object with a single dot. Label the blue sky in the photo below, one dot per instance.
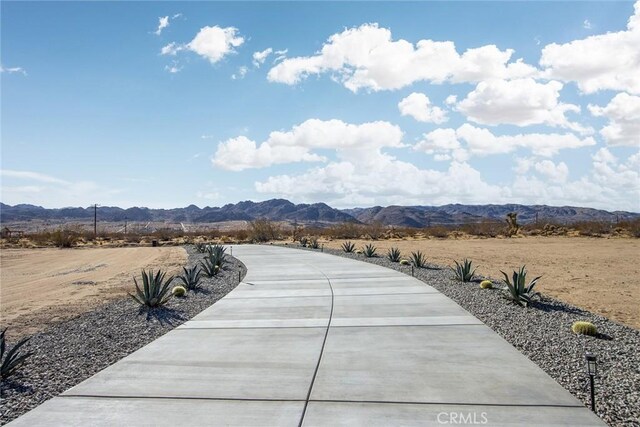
(165, 104)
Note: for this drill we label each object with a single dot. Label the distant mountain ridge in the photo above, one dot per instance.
(275, 209)
(318, 213)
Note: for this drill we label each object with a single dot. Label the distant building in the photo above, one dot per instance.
(7, 233)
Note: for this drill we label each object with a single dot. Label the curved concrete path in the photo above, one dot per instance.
(313, 339)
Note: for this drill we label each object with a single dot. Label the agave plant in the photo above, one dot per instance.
(304, 242)
(394, 255)
(209, 267)
(14, 359)
(369, 251)
(201, 247)
(463, 271)
(348, 247)
(155, 290)
(191, 277)
(518, 292)
(418, 259)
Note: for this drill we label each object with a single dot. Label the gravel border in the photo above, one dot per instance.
(70, 352)
(542, 332)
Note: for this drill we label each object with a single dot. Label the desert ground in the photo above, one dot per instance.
(596, 274)
(43, 286)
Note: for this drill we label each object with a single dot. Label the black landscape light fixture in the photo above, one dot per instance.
(592, 369)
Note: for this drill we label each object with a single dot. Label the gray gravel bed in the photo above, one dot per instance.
(543, 333)
(72, 351)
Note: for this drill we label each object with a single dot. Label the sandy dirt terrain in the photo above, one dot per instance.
(43, 286)
(597, 274)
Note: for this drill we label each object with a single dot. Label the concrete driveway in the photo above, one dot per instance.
(318, 340)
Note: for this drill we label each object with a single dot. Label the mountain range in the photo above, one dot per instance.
(318, 213)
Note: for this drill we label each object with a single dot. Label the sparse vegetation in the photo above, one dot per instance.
(463, 271)
(191, 277)
(394, 254)
(348, 247)
(584, 328)
(155, 289)
(13, 359)
(369, 251)
(418, 259)
(304, 241)
(64, 238)
(263, 230)
(313, 243)
(517, 290)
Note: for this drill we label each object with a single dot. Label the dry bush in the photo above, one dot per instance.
(593, 228)
(345, 230)
(631, 226)
(485, 228)
(64, 237)
(263, 230)
(375, 230)
(438, 231)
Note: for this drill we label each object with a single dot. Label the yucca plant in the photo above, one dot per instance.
(191, 277)
(369, 251)
(463, 271)
(518, 291)
(209, 267)
(348, 247)
(394, 255)
(13, 359)
(155, 290)
(418, 259)
(201, 247)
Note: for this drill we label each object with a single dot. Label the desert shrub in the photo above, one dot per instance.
(486, 284)
(304, 241)
(10, 362)
(485, 228)
(313, 243)
(518, 291)
(369, 251)
(593, 228)
(348, 247)
(178, 291)
(191, 277)
(418, 259)
(64, 238)
(584, 328)
(346, 230)
(631, 226)
(375, 230)
(462, 270)
(263, 230)
(393, 254)
(166, 234)
(437, 231)
(405, 262)
(155, 289)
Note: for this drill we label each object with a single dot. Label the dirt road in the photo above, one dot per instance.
(43, 286)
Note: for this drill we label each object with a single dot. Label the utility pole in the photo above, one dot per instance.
(95, 221)
(125, 225)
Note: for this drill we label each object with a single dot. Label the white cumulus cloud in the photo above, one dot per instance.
(556, 173)
(470, 140)
(367, 57)
(623, 112)
(213, 43)
(599, 62)
(296, 145)
(163, 22)
(520, 102)
(418, 106)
